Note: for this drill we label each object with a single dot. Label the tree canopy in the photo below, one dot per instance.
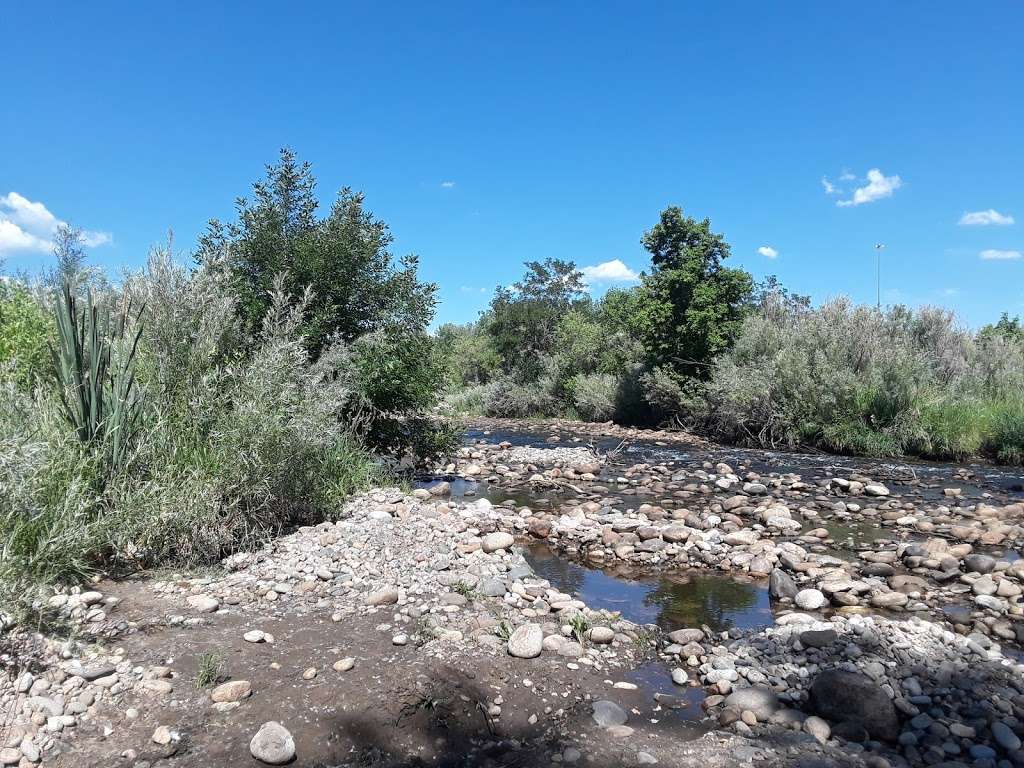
(343, 257)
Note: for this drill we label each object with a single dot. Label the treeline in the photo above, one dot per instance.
(185, 412)
(701, 345)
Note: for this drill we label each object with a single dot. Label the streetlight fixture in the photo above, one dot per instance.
(878, 276)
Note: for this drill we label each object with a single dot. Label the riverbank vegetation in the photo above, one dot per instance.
(702, 346)
(182, 413)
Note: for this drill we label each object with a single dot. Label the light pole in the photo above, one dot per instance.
(878, 276)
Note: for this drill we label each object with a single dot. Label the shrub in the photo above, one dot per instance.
(593, 396)
(853, 380)
(469, 401)
(521, 401)
(26, 328)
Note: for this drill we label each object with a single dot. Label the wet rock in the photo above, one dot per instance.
(875, 489)
(608, 714)
(272, 744)
(849, 697)
(781, 584)
(526, 641)
(978, 563)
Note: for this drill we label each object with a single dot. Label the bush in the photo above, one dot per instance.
(522, 401)
(26, 328)
(469, 401)
(593, 396)
(853, 380)
(236, 451)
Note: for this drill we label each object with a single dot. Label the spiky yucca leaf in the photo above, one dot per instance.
(100, 402)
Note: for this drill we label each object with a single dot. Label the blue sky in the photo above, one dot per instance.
(487, 134)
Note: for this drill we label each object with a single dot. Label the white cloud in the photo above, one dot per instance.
(830, 188)
(985, 218)
(994, 254)
(767, 251)
(614, 271)
(878, 186)
(27, 226)
(447, 184)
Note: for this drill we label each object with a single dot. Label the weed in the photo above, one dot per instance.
(210, 670)
(580, 626)
(503, 630)
(464, 589)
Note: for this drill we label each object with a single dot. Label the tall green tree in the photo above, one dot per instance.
(524, 317)
(357, 286)
(694, 305)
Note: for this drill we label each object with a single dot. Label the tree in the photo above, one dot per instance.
(343, 257)
(524, 317)
(694, 306)
(1007, 328)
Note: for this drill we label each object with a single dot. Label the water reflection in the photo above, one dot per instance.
(672, 601)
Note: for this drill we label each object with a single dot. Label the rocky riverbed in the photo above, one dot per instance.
(412, 630)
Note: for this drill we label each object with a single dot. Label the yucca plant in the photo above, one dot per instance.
(99, 396)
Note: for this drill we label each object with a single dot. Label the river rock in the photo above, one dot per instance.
(203, 603)
(526, 642)
(759, 699)
(810, 599)
(781, 584)
(492, 542)
(684, 636)
(977, 563)
(849, 697)
(234, 690)
(272, 744)
(386, 596)
(608, 713)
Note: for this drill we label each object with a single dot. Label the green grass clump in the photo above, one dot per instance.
(210, 670)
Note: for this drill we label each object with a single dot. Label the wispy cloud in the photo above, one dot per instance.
(830, 188)
(988, 218)
(614, 271)
(447, 184)
(877, 186)
(28, 227)
(471, 289)
(767, 251)
(994, 254)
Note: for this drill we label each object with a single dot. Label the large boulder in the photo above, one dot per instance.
(849, 697)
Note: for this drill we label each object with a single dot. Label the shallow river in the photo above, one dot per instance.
(677, 599)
